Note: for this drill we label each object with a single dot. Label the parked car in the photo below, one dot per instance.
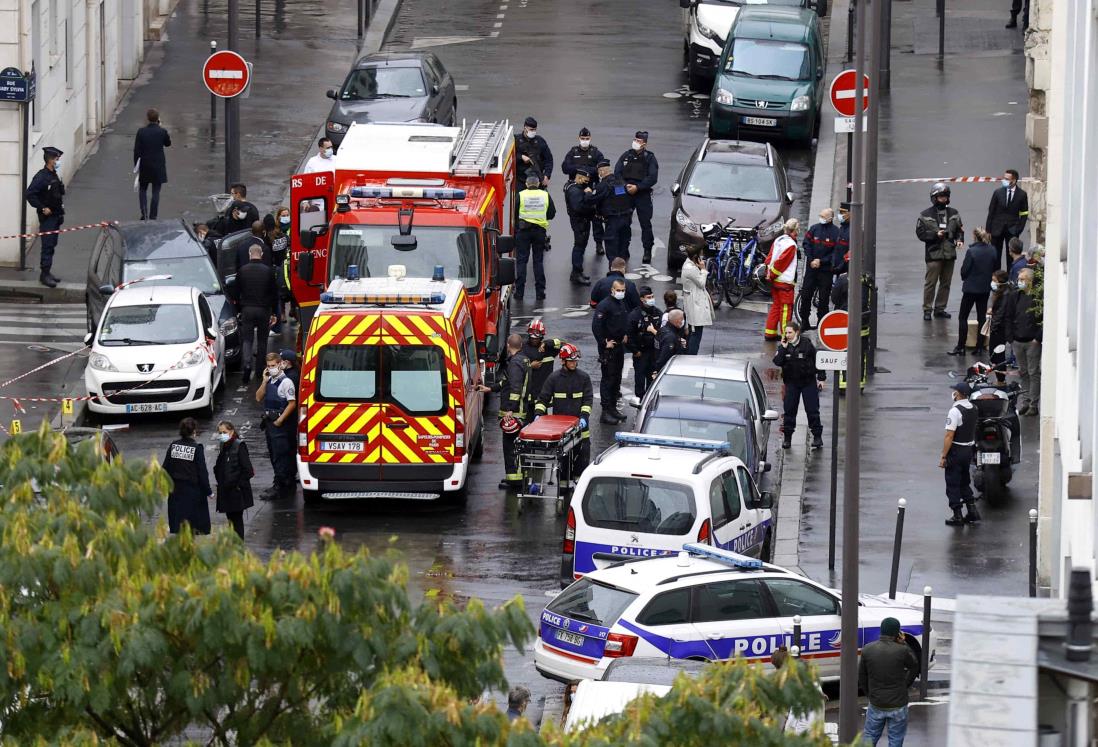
(124, 252)
(393, 87)
(770, 76)
(726, 179)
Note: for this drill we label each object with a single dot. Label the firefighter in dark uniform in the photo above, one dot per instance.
(640, 170)
(512, 386)
(585, 156)
(185, 463)
(568, 391)
(796, 357)
(644, 325)
(46, 194)
(582, 215)
(957, 448)
(820, 242)
(541, 353)
(610, 327)
(839, 260)
(615, 207)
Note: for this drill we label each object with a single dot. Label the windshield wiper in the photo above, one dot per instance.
(132, 341)
(745, 74)
(774, 76)
(580, 615)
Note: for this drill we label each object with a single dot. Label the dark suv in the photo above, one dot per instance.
(728, 179)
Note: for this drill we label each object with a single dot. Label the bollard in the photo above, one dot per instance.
(925, 663)
(258, 17)
(1033, 552)
(213, 99)
(795, 652)
(896, 543)
(361, 24)
(850, 30)
(941, 27)
(796, 647)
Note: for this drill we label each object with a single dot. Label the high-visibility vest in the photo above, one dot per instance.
(534, 207)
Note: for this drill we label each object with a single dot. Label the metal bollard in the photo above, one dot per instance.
(213, 99)
(850, 10)
(941, 6)
(1033, 552)
(924, 667)
(796, 647)
(896, 543)
(361, 25)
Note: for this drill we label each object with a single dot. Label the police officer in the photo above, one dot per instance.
(185, 463)
(672, 339)
(957, 446)
(46, 194)
(568, 391)
(256, 294)
(610, 326)
(582, 215)
(289, 366)
(585, 156)
(535, 210)
(640, 170)
(796, 357)
(278, 395)
(541, 353)
(644, 324)
(512, 387)
(534, 153)
(615, 207)
(601, 288)
(820, 242)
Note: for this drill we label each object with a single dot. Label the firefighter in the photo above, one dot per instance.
(512, 387)
(568, 391)
(820, 242)
(541, 353)
(615, 207)
(644, 324)
(536, 209)
(781, 264)
(610, 326)
(640, 170)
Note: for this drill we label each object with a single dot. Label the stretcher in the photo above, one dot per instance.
(547, 449)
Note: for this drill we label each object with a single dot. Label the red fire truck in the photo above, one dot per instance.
(417, 195)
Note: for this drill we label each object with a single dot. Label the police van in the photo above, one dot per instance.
(647, 495)
(389, 399)
(703, 603)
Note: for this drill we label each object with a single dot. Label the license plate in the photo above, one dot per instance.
(760, 121)
(990, 457)
(355, 446)
(148, 407)
(575, 640)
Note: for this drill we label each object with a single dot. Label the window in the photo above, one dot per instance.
(193, 271)
(717, 505)
(417, 378)
(696, 387)
(748, 490)
(731, 494)
(411, 376)
(732, 181)
(632, 504)
(54, 23)
(383, 83)
(757, 388)
(151, 324)
(669, 608)
(590, 601)
(36, 56)
(470, 343)
(312, 212)
(729, 600)
(101, 258)
(679, 427)
(794, 597)
(207, 314)
(68, 54)
(348, 373)
(371, 248)
(773, 60)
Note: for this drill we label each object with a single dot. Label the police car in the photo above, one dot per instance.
(647, 495)
(703, 603)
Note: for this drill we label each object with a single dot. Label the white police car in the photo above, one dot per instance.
(647, 495)
(704, 603)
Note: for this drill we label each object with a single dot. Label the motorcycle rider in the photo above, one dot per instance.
(957, 448)
(940, 229)
(512, 386)
(568, 391)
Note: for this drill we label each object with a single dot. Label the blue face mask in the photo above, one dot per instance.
(224, 437)
(1005, 183)
(284, 220)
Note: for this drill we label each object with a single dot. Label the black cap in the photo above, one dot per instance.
(50, 152)
(844, 206)
(530, 122)
(584, 132)
(584, 171)
(642, 135)
(603, 162)
(644, 290)
(963, 388)
(288, 355)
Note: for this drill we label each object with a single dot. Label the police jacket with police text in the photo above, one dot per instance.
(537, 150)
(586, 157)
(576, 202)
(820, 242)
(567, 393)
(546, 353)
(185, 463)
(611, 198)
(930, 222)
(671, 342)
(638, 167)
(611, 321)
(46, 190)
(798, 362)
(512, 386)
(640, 340)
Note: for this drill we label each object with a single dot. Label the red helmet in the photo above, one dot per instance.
(536, 328)
(510, 425)
(569, 352)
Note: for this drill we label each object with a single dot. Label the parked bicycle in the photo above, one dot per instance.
(734, 259)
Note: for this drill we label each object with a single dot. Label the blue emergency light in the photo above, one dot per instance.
(644, 439)
(352, 272)
(439, 274)
(727, 557)
(430, 193)
(382, 298)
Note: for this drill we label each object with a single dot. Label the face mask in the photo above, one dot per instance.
(531, 134)
(647, 301)
(224, 437)
(585, 144)
(637, 144)
(328, 152)
(1005, 182)
(57, 167)
(826, 220)
(273, 371)
(994, 285)
(1021, 284)
(619, 295)
(842, 218)
(284, 220)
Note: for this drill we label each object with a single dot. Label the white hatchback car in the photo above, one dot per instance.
(157, 348)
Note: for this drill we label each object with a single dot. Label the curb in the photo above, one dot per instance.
(35, 292)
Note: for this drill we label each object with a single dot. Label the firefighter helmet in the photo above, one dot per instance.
(510, 425)
(569, 352)
(536, 328)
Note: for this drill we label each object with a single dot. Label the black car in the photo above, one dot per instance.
(127, 251)
(728, 179)
(393, 87)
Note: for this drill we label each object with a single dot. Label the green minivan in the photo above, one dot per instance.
(770, 76)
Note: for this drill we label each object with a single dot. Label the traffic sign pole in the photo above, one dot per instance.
(232, 110)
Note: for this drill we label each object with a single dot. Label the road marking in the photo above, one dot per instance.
(495, 34)
(497, 25)
(442, 41)
(501, 15)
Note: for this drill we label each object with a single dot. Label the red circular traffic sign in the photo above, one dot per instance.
(843, 93)
(225, 74)
(832, 331)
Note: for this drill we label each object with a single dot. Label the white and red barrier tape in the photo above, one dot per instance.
(949, 180)
(101, 224)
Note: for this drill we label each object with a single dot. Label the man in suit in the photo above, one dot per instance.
(148, 158)
(1008, 212)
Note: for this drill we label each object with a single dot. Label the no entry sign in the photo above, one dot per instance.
(832, 330)
(843, 93)
(225, 74)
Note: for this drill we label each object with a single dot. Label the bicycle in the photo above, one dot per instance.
(718, 247)
(736, 261)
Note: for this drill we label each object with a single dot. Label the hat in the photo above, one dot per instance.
(584, 171)
(288, 355)
(890, 627)
(530, 122)
(584, 132)
(50, 152)
(963, 388)
(642, 135)
(844, 206)
(644, 290)
(603, 162)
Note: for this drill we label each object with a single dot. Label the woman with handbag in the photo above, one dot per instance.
(979, 263)
(233, 471)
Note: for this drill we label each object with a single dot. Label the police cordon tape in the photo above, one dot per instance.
(950, 180)
(101, 224)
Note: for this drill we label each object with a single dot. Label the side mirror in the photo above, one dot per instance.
(765, 500)
(505, 274)
(230, 281)
(789, 197)
(505, 244)
(764, 467)
(305, 266)
(88, 339)
(435, 89)
(770, 415)
(331, 93)
(211, 333)
(106, 289)
(675, 189)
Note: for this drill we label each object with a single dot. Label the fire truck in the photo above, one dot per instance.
(416, 195)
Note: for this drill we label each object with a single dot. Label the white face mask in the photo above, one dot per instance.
(619, 295)
(284, 220)
(327, 152)
(825, 220)
(224, 437)
(842, 218)
(531, 134)
(637, 145)
(994, 285)
(585, 144)
(647, 301)
(273, 371)
(1021, 285)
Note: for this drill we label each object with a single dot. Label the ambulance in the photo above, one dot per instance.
(389, 400)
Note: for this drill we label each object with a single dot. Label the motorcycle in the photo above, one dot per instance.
(998, 431)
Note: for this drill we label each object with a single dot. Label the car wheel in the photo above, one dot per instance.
(478, 447)
(454, 114)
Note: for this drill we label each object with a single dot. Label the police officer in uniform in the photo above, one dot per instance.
(541, 354)
(819, 245)
(46, 194)
(185, 463)
(796, 357)
(512, 387)
(534, 153)
(957, 447)
(535, 210)
(278, 395)
(585, 156)
(568, 391)
(610, 326)
(582, 215)
(644, 325)
(615, 207)
(640, 170)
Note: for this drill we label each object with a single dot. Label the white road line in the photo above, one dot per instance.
(501, 15)
(76, 322)
(497, 25)
(495, 34)
(40, 332)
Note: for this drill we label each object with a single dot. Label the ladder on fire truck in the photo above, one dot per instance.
(476, 148)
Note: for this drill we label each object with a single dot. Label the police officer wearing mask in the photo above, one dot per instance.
(796, 357)
(512, 387)
(940, 228)
(957, 446)
(581, 214)
(585, 156)
(819, 251)
(541, 353)
(672, 339)
(534, 153)
(46, 194)
(610, 326)
(568, 391)
(614, 206)
(278, 396)
(185, 463)
(640, 170)
(535, 210)
(644, 324)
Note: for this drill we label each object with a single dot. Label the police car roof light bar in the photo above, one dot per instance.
(645, 439)
(398, 191)
(383, 299)
(727, 557)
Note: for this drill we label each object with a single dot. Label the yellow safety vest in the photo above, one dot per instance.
(534, 207)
